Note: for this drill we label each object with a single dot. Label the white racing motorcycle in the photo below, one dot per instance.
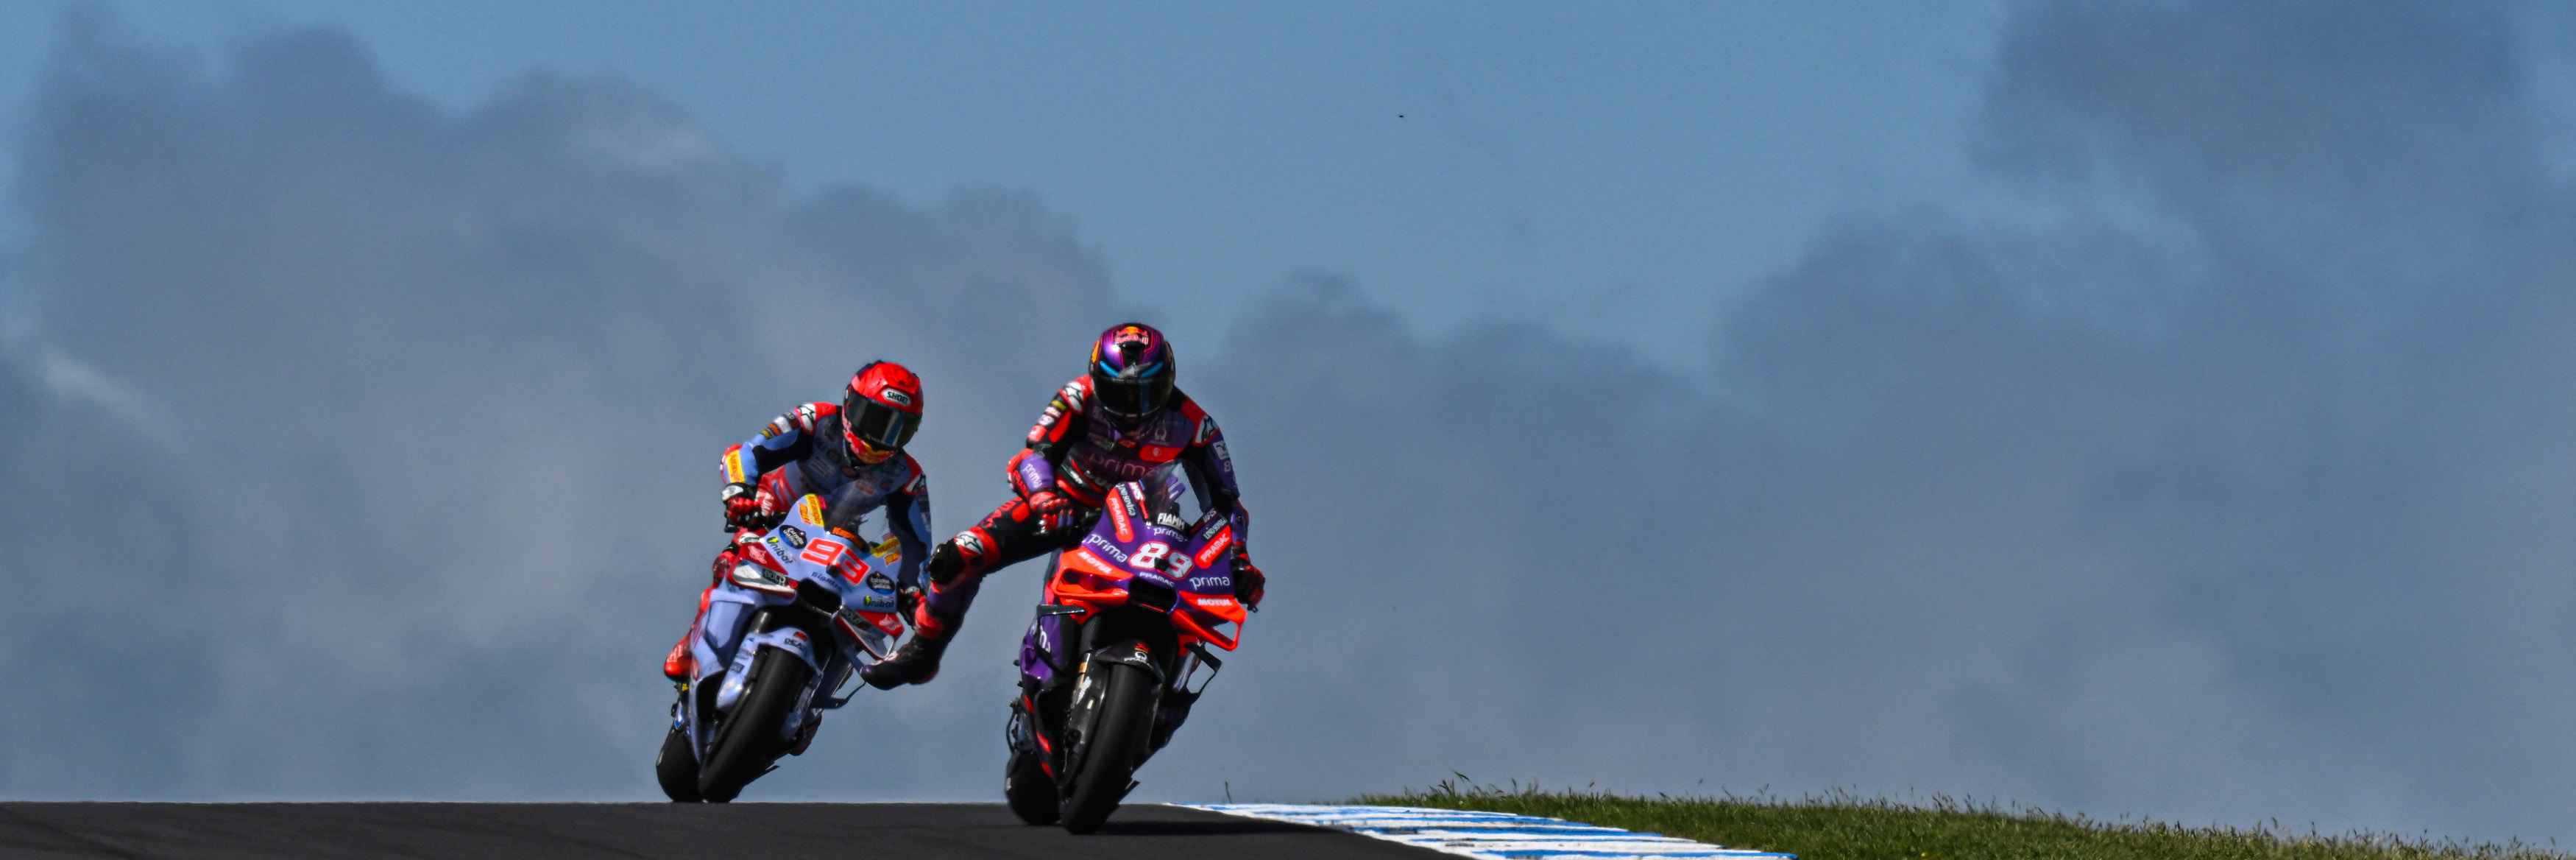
(789, 626)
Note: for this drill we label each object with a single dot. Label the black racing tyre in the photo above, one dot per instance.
(1109, 757)
(747, 741)
(676, 766)
(1029, 789)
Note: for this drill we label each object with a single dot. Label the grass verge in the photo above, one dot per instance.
(1843, 826)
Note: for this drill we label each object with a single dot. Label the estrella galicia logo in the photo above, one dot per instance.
(795, 536)
(880, 582)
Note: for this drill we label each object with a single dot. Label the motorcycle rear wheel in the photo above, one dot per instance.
(676, 767)
(747, 741)
(1109, 758)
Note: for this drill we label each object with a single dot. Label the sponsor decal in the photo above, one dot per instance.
(880, 581)
(795, 536)
(1215, 550)
(1118, 521)
(895, 396)
(1211, 581)
(826, 552)
(811, 508)
(889, 549)
(1170, 520)
(1207, 431)
(878, 603)
(1158, 453)
(1084, 558)
(1102, 544)
(733, 464)
(1214, 601)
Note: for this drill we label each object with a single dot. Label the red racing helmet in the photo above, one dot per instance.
(879, 410)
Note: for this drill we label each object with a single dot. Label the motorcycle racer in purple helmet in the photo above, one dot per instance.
(1123, 420)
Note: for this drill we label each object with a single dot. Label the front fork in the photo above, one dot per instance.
(733, 633)
(1043, 683)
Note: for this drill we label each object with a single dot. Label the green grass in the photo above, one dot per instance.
(1843, 826)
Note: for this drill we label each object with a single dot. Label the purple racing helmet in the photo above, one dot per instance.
(1132, 370)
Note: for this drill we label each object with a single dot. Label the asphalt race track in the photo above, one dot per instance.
(494, 831)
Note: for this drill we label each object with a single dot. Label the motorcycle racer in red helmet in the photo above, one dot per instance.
(1122, 420)
(851, 453)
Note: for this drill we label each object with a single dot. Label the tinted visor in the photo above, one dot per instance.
(1130, 396)
(878, 424)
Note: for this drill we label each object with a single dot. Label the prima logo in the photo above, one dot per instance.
(1105, 547)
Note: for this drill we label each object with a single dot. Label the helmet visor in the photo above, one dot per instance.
(1130, 396)
(880, 425)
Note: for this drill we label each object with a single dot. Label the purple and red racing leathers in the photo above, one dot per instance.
(802, 453)
(1078, 453)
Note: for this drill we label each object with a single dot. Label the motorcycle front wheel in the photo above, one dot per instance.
(748, 739)
(1109, 757)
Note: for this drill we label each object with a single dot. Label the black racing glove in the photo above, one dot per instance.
(745, 507)
(1248, 582)
(906, 596)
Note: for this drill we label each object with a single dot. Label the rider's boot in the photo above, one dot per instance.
(932, 626)
(918, 660)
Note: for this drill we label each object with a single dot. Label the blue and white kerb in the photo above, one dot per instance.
(1492, 835)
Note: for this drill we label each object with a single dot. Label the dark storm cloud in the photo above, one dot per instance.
(2233, 488)
(359, 448)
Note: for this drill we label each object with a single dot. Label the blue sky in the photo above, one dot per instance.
(1619, 173)
(2159, 408)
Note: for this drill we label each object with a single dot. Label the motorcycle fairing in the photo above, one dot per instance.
(738, 674)
(863, 575)
(1137, 546)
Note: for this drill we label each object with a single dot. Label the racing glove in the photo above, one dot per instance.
(1046, 502)
(1053, 510)
(1248, 582)
(746, 507)
(906, 597)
